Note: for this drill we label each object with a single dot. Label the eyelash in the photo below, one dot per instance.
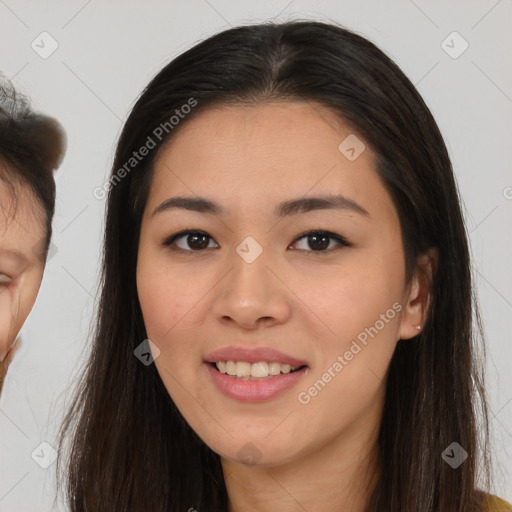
(343, 242)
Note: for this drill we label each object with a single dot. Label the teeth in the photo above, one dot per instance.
(230, 368)
(262, 369)
(285, 368)
(259, 369)
(243, 369)
(274, 368)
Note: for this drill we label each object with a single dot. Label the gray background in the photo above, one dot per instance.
(108, 51)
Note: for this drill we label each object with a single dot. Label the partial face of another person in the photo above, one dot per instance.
(22, 233)
(253, 275)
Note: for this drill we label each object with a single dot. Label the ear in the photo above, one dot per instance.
(418, 298)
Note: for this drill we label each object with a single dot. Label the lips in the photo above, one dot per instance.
(253, 355)
(261, 390)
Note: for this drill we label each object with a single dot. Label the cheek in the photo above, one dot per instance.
(6, 321)
(163, 297)
(352, 297)
(363, 310)
(28, 290)
(170, 299)
(361, 306)
(16, 302)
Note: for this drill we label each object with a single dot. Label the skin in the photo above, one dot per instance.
(307, 303)
(21, 265)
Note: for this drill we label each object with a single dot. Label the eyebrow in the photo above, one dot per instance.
(286, 208)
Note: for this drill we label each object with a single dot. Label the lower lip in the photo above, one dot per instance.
(254, 390)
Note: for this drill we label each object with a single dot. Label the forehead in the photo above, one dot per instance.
(274, 150)
(276, 133)
(21, 220)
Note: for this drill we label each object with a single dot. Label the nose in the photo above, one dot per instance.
(252, 295)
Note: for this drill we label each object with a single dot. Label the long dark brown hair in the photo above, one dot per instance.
(128, 447)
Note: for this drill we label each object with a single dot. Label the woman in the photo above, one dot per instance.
(286, 310)
(31, 147)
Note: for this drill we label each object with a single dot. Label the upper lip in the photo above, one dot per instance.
(253, 355)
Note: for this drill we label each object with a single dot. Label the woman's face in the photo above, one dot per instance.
(21, 265)
(251, 283)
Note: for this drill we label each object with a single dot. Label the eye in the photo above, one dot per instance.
(320, 241)
(5, 280)
(195, 239)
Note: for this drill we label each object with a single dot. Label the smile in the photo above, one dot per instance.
(259, 370)
(254, 389)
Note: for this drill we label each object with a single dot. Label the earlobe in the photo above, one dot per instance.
(417, 302)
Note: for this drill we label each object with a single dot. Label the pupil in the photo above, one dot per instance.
(323, 245)
(199, 236)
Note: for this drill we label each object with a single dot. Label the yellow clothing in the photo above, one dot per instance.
(495, 504)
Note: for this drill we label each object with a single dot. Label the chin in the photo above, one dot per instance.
(253, 451)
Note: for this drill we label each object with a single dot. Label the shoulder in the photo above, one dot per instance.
(495, 504)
